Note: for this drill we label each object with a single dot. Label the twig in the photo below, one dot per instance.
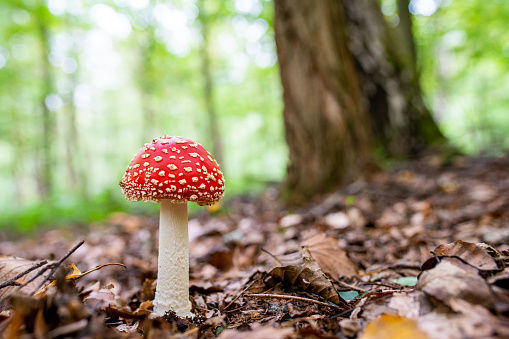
(12, 281)
(344, 284)
(293, 298)
(54, 266)
(378, 283)
(272, 255)
(240, 294)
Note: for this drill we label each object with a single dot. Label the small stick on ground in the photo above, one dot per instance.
(54, 266)
(272, 256)
(13, 282)
(378, 283)
(345, 285)
(278, 296)
(240, 294)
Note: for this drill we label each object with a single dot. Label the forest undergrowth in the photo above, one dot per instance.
(417, 252)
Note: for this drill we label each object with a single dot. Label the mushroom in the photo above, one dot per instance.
(173, 171)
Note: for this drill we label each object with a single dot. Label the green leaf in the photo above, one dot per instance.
(349, 295)
(406, 281)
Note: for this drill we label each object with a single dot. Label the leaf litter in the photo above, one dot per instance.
(417, 252)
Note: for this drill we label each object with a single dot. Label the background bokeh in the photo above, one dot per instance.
(83, 84)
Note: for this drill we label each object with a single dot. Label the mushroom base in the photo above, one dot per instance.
(172, 291)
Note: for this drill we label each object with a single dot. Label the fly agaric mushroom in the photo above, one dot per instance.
(173, 171)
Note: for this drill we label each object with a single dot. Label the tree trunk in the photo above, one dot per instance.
(327, 127)
(208, 88)
(350, 86)
(386, 65)
(45, 149)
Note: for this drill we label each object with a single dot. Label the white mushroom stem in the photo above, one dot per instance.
(172, 292)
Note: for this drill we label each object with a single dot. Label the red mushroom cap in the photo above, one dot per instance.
(173, 168)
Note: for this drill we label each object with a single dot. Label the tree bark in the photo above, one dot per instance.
(45, 149)
(385, 60)
(350, 87)
(326, 124)
(208, 87)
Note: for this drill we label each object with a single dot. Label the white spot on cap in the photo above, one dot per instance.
(146, 164)
(158, 158)
(154, 181)
(172, 167)
(182, 182)
(145, 155)
(164, 150)
(193, 197)
(195, 179)
(210, 158)
(161, 173)
(202, 186)
(188, 169)
(194, 155)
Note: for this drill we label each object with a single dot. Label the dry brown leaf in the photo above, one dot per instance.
(310, 278)
(99, 299)
(258, 332)
(393, 327)
(331, 258)
(452, 279)
(11, 266)
(474, 254)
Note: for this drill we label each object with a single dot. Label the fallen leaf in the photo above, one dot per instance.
(331, 258)
(310, 278)
(349, 295)
(337, 220)
(406, 281)
(393, 327)
(452, 279)
(290, 220)
(11, 266)
(99, 299)
(75, 274)
(258, 332)
(477, 255)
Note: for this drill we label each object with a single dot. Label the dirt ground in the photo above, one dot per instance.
(420, 252)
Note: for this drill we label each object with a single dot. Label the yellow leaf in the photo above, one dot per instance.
(75, 274)
(393, 327)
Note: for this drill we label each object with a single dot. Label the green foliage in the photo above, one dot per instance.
(63, 211)
(464, 55)
(116, 74)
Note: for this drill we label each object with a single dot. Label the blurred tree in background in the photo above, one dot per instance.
(84, 84)
(349, 84)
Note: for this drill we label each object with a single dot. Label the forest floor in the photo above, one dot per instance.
(418, 252)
